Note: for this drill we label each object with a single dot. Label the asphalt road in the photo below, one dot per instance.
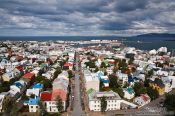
(77, 108)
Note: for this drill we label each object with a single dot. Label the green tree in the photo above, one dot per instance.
(70, 73)
(169, 102)
(60, 106)
(113, 81)
(42, 109)
(119, 90)
(139, 88)
(126, 84)
(146, 82)
(101, 86)
(13, 110)
(96, 69)
(32, 96)
(150, 72)
(47, 83)
(103, 104)
(38, 79)
(103, 65)
(153, 93)
(130, 61)
(57, 72)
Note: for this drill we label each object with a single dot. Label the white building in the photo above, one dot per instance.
(91, 80)
(109, 70)
(128, 93)
(122, 77)
(142, 100)
(112, 98)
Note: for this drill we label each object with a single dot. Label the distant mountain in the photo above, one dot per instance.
(166, 35)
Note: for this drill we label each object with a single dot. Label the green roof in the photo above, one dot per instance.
(43, 65)
(130, 90)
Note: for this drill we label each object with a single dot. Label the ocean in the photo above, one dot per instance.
(143, 43)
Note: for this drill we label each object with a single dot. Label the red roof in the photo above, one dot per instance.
(20, 68)
(59, 92)
(68, 64)
(145, 97)
(111, 62)
(46, 96)
(28, 75)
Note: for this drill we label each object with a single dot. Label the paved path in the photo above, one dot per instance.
(77, 108)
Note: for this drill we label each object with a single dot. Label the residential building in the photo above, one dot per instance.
(128, 93)
(112, 98)
(142, 100)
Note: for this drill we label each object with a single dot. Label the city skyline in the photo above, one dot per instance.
(89, 18)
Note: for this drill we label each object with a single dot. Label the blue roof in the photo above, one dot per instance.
(26, 102)
(34, 101)
(135, 78)
(105, 81)
(130, 79)
(130, 90)
(19, 85)
(38, 86)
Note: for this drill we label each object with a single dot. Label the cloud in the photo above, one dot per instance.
(86, 17)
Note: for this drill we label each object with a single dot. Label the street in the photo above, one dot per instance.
(77, 108)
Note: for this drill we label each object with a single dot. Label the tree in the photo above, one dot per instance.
(42, 110)
(101, 86)
(60, 106)
(70, 73)
(113, 81)
(57, 72)
(146, 82)
(119, 90)
(130, 61)
(169, 102)
(153, 93)
(115, 70)
(126, 84)
(139, 88)
(103, 65)
(96, 69)
(47, 83)
(38, 79)
(103, 104)
(150, 72)
(32, 96)
(14, 110)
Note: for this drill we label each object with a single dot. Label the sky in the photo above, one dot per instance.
(86, 17)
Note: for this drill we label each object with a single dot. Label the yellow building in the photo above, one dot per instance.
(158, 85)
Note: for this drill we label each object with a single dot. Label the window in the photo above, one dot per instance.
(94, 105)
(31, 106)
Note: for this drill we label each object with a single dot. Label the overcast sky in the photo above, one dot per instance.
(86, 17)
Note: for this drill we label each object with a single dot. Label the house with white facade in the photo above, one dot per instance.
(122, 77)
(18, 86)
(142, 100)
(128, 93)
(112, 98)
(91, 80)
